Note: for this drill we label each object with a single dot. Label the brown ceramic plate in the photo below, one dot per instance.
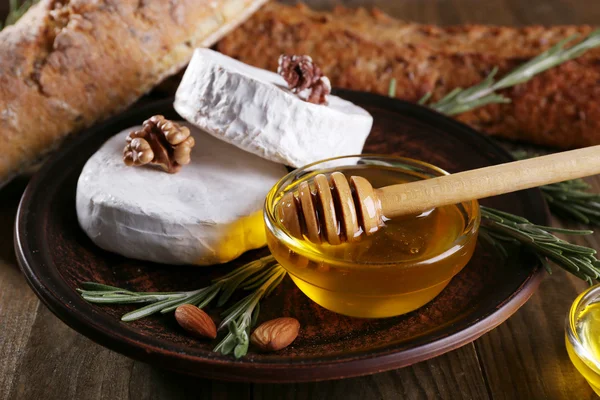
(56, 257)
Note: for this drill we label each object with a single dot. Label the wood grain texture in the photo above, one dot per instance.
(456, 375)
(60, 363)
(417, 197)
(524, 358)
(18, 304)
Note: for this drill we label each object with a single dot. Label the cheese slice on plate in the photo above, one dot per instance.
(254, 110)
(210, 212)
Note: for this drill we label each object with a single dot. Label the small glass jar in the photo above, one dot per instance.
(582, 335)
(370, 288)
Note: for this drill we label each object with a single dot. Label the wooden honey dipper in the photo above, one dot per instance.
(340, 210)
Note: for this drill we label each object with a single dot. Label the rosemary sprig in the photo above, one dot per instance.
(500, 228)
(461, 100)
(16, 11)
(165, 302)
(569, 199)
(262, 276)
(242, 316)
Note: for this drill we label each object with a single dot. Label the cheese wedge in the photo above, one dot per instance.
(210, 212)
(252, 109)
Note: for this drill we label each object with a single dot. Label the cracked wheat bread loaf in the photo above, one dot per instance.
(365, 50)
(69, 63)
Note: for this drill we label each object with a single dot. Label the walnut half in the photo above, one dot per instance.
(160, 142)
(301, 73)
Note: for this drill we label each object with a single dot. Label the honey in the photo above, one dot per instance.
(392, 271)
(583, 336)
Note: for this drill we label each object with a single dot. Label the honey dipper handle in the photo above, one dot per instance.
(419, 196)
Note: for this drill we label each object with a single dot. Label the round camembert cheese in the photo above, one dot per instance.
(254, 110)
(210, 212)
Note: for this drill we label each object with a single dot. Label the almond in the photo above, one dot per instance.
(195, 321)
(275, 334)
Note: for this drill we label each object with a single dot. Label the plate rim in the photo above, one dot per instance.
(356, 364)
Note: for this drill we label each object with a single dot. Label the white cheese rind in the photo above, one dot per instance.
(252, 109)
(210, 212)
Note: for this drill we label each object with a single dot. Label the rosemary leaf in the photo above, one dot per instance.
(206, 301)
(105, 294)
(113, 299)
(241, 349)
(227, 345)
(93, 286)
(16, 11)
(256, 311)
(507, 216)
(199, 297)
(544, 262)
(392, 89)
(424, 99)
(568, 231)
(148, 310)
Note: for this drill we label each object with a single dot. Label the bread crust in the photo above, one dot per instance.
(365, 50)
(67, 64)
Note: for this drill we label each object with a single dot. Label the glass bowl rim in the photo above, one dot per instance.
(469, 232)
(586, 298)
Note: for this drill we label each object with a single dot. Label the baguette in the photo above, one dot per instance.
(67, 64)
(364, 50)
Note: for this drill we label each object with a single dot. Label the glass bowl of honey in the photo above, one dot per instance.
(582, 335)
(395, 270)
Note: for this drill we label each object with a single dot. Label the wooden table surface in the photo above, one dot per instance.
(524, 358)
